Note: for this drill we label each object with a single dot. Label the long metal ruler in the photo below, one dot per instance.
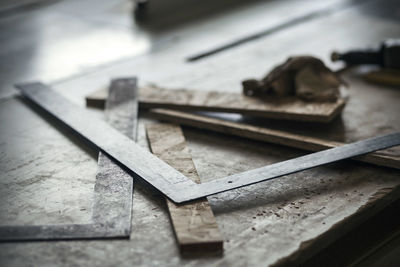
(147, 167)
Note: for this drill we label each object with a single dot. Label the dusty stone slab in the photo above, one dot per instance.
(38, 185)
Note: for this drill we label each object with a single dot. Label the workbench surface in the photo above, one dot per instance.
(47, 174)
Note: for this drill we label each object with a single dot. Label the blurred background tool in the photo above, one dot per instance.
(387, 56)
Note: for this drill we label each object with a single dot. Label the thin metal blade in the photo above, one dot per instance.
(295, 165)
(170, 182)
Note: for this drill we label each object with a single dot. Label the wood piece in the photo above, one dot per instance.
(194, 224)
(288, 108)
(266, 135)
(97, 99)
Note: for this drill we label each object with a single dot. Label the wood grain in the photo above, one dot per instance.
(267, 135)
(290, 108)
(194, 224)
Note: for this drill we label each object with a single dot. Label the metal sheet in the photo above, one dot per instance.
(170, 182)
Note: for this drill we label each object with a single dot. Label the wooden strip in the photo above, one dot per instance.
(97, 99)
(194, 224)
(266, 135)
(290, 108)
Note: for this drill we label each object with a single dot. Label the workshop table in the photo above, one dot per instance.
(47, 174)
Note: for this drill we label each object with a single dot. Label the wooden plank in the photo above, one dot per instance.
(290, 108)
(266, 135)
(194, 224)
(97, 99)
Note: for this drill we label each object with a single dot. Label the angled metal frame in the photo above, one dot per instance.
(113, 189)
(147, 167)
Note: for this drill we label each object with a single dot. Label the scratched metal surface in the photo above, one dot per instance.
(261, 224)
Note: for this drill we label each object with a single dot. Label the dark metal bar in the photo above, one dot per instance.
(295, 165)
